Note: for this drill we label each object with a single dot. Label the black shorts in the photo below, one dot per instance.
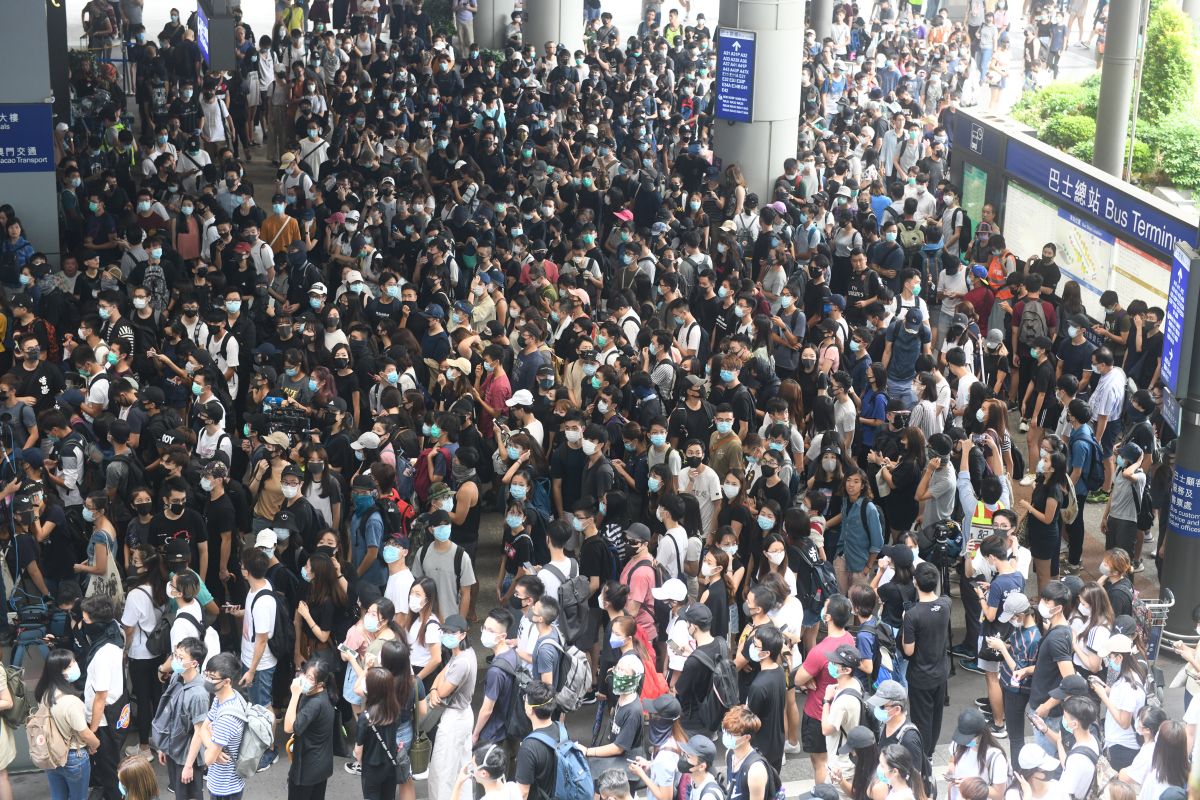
(812, 740)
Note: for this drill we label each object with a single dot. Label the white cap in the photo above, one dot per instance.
(354, 276)
(366, 441)
(674, 589)
(318, 288)
(266, 539)
(521, 397)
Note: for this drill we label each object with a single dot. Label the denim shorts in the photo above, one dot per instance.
(260, 688)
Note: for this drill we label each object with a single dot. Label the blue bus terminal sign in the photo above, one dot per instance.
(735, 74)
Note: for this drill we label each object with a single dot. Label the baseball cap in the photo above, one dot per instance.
(979, 271)
(266, 539)
(1032, 756)
(1070, 686)
(857, 738)
(698, 614)
(971, 725)
(888, 691)
(435, 312)
(1117, 643)
(900, 555)
(1015, 603)
(995, 338)
(153, 394)
(366, 441)
(179, 550)
(674, 589)
(846, 656)
(701, 747)
(665, 706)
(521, 397)
(318, 288)
(638, 533)
(455, 623)
(277, 438)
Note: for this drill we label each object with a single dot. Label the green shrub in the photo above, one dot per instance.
(1144, 165)
(1177, 142)
(1035, 108)
(1064, 132)
(1169, 74)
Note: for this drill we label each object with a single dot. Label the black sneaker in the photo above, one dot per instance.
(983, 704)
(589, 698)
(972, 666)
(998, 731)
(962, 651)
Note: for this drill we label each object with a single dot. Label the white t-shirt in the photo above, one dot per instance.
(677, 634)
(141, 615)
(549, 580)
(418, 646)
(789, 616)
(672, 552)
(995, 769)
(105, 674)
(182, 627)
(1077, 774)
(398, 587)
(707, 490)
(1142, 771)
(263, 621)
(1126, 696)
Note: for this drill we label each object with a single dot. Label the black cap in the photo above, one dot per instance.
(857, 738)
(455, 623)
(153, 394)
(971, 725)
(699, 746)
(1070, 686)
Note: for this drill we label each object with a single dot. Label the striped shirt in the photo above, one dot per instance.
(228, 723)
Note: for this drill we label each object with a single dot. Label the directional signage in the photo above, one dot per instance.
(26, 137)
(202, 31)
(1176, 357)
(735, 75)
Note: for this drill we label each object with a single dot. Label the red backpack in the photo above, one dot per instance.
(423, 480)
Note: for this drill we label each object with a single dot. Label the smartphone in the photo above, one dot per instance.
(347, 650)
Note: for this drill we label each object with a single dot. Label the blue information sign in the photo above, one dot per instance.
(202, 31)
(735, 75)
(1184, 515)
(26, 137)
(1145, 225)
(1174, 367)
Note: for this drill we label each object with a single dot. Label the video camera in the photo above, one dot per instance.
(283, 418)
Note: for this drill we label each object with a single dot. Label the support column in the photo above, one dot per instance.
(760, 147)
(1116, 85)
(822, 18)
(560, 21)
(60, 73)
(1192, 9)
(490, 20)
(29, 181)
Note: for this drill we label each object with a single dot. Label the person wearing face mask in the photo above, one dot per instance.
(447, 564)
(142, 611)
(766, 696)
(452, 690)
(184, 701)
(695, 682)
(310, 720)
(627, 734)
(1079, 760)
(976, 755)
(300, 514)
(746, 769)
(104, 694)
(219, 740)
(1055, 660)
(500, 680)
(56, 691)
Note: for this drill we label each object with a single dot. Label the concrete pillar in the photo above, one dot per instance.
(1116, 85)
(490, 20)
(25, 90)
(759, 147)
(822, 18)
(560, 21)
(1192, 9)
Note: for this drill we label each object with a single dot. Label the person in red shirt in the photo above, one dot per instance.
(814, 675)
(639, 576)
(491, 388)
(980, 296)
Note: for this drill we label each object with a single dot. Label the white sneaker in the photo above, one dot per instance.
(1024, 426)
(792, 749)
(1029, 479)
(420, 776)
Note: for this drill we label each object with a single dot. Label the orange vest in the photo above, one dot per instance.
(998, 276)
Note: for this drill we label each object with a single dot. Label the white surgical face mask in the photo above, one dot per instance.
(776, 558)
(707, 570)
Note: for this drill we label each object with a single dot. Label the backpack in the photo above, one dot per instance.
(1093, 476)
(154, 279)
(282, 641)
(206, 634)
(775, 789)
(573, 678)
(90, 457)
(926, 765)
(724, 694)
(865, 716)
(1145, 509)
(964, 235)
(16, 715)
(397, 516)
(573, 593)
(516, 723)
(883, 644)
(47, 744)
(824, 582)
(258, 736)
(911, 237)
(459, 554)
(134, 476)
(422, 480)
(1071, 507)
(572, 775)
(1033, 322)
(158, 640)
(1102, 774)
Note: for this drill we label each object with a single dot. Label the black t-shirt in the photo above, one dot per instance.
(927, 625)
(895, 599)
(190, 527)
(594, 560)
(765, 698)
(686, 423)
(312, 757)
(694, 684)
(220, 519)
(567, 464)
(537, 764)
(18, 554)
(718, 603)
(1055, 647)
(58, 552)
(42, 384)
(1076, 358)
(374, 753)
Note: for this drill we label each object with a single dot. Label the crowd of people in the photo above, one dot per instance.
(742, 447)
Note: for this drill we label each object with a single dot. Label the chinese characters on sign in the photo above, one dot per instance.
(1184, 516)
(1174, 367)
(735, 75)
(26, 143)
(1144, 224)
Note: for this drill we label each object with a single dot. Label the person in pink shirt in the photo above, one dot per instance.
(491, 388)
(639, 576)
(816, 675)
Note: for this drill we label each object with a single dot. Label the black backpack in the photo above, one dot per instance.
(866, 717)
(135, 476)
(724, 693)
(824, 583)
(574, 590)
(516, 723)
(282, 642)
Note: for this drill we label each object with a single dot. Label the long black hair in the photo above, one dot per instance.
(53, 682)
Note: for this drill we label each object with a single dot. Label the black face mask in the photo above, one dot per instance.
(683, 765)
(143, 509)
(768, 471)
(176, 508)
(694, 461)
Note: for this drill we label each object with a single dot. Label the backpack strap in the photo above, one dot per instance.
(200, 628)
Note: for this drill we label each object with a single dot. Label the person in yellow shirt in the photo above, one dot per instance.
(278, 229)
